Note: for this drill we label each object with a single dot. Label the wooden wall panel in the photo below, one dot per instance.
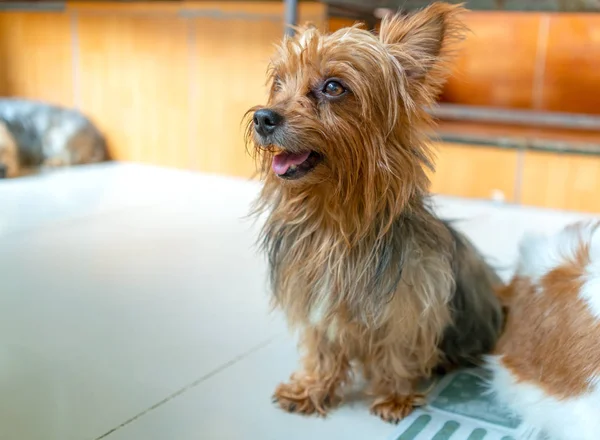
(36, 59)
(231, 74)
(497, 62)
(474, 171)
(537, 61)
(561, 181)
(167, 82)
(134, 81)
(571, 81)
(186, 80)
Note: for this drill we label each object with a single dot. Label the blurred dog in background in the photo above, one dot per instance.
(35, 135)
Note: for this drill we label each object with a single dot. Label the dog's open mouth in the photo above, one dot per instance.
(295, 165)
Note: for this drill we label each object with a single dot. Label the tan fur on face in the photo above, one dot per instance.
(551, 338)
(417, 47)
(358, 261)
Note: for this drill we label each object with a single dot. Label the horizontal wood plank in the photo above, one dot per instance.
(475, 171)
(561, 181)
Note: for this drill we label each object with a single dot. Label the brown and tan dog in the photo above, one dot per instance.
(358, 261)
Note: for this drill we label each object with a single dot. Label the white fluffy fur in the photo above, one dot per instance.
(576, 418)
(569, 419)
(539, 254)
(591, 290)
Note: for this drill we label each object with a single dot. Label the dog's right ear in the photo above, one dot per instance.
(420, 41)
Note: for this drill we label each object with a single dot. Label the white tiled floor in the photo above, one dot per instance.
(133, 306)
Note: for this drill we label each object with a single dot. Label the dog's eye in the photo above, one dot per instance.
(333, 88)
(276, 83)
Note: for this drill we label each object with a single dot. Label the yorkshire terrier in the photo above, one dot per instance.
(359, 263)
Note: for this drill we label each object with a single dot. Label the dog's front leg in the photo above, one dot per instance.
(393, 387)
(316, 388)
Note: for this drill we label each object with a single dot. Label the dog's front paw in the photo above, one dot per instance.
(394, 408)
(304, 396)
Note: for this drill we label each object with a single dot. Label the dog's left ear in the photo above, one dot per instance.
(421, 41)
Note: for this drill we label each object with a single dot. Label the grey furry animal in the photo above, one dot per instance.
(36, 135)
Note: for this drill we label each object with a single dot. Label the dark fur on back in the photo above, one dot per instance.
(476, 314)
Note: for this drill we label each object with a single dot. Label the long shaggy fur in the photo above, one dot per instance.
(359, 263)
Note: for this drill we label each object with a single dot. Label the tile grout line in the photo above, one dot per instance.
(194, 384)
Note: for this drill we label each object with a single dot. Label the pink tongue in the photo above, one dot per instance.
(283, 161)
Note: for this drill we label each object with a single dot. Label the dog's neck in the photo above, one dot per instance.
(361, 212)
(310, 252)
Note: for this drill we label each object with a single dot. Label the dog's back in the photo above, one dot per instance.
(48, 135)
(547, 363)
(476, 314)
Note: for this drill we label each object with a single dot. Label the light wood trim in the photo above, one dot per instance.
(562, 181)
(474, 171)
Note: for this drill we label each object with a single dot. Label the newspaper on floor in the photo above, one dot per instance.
(461, 407)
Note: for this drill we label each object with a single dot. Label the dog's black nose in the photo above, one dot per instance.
(266, 121)
(3, 171)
